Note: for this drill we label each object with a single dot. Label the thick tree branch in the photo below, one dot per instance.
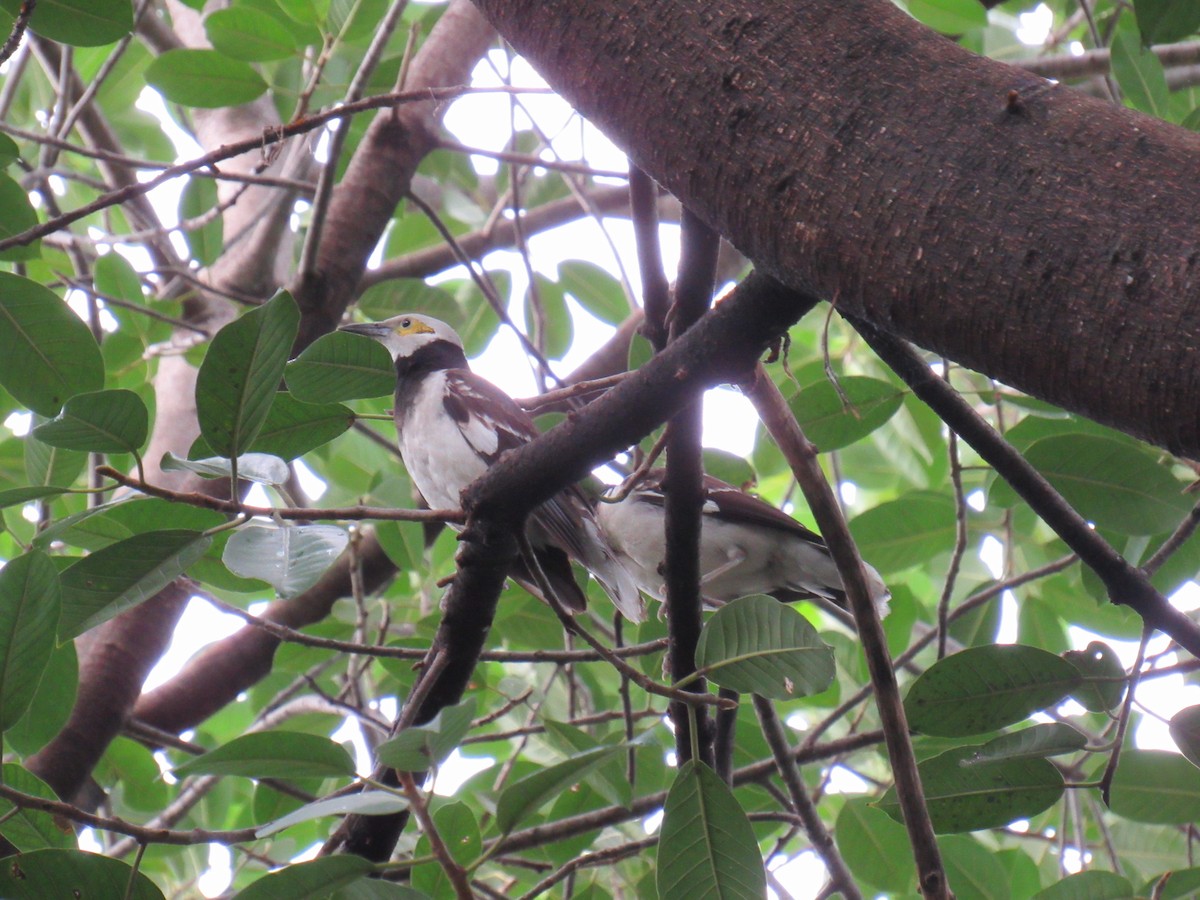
(1024, 230)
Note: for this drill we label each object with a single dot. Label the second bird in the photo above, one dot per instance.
(747, 546)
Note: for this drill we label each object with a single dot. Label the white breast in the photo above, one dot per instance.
(438, 458)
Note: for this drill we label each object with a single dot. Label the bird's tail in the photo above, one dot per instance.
(612, 574)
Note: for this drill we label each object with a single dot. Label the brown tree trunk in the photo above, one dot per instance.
(1020, 228)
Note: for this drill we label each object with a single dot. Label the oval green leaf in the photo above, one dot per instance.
(19, 216)
(595, 289)
(981, 689)
(293, 427)
(368, 803)
(1103, 676)
(204, 78)
(418, 747)
(28, 829)
(99, 422)
(707, 847)
(1156, 786)
(831, 424)
(29, 603)
(1036, 742)
(905, 532)
(68, 873)
(963, 795)
(1110, 482)
(289, 558)
(83, 23)
(47, 353)
(341, 366)
(122, 575)
(758, 645)
(875, 847)
(1093, 885)
(248, 34)
(274, 754)
(526, 795)
(262, 468)
(241, 372)
(308, 880)
(1185, 732)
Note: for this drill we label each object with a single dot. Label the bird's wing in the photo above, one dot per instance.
(733, 505)
(487, 417)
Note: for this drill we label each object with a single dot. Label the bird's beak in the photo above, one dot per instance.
(376, 330)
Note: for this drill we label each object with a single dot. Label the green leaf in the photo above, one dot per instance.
(122, 575)
(114, 276)
(23, 495)
(199, 198)
(595, 289)
(973, 869)
(99, 422)
(1111, 483)
(292, 427)
(830, 424)
(1092, 885)
(460, 830)
(1140, 75)
(875, 847)
(396, 296)
(9, 151)
(47, 466)
(274, 754)
(1103, 676)
(419, 747)
(966, 795)
(312, 880)
(248, 34)
(28, 829)
(981, 689)
(1035, 742)
(47, 353)
(758, 645)
(51, 705)
(29, 605)
(707, 847)
(42, 874)
(19, 216)
(290, 558)
(949, 16)
(1177, 884)
(526, 795)
(204, 79)
(905, 532)
(341, 366)
(241, 372)
(84, 23)
(1166, 21)
(1185, 732)
(1157, 787)
(262, 468)
(368, 803)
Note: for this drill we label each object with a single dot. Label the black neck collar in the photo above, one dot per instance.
(433, 357)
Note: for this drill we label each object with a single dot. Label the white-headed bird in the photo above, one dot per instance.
(453, 425)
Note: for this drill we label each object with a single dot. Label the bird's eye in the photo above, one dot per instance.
(406, 323)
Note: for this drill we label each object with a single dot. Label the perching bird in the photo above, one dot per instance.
(453, 425)
(747, 546)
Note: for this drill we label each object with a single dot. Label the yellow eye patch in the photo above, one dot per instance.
(412, 326)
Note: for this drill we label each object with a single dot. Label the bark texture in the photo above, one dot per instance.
(1019, 228)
